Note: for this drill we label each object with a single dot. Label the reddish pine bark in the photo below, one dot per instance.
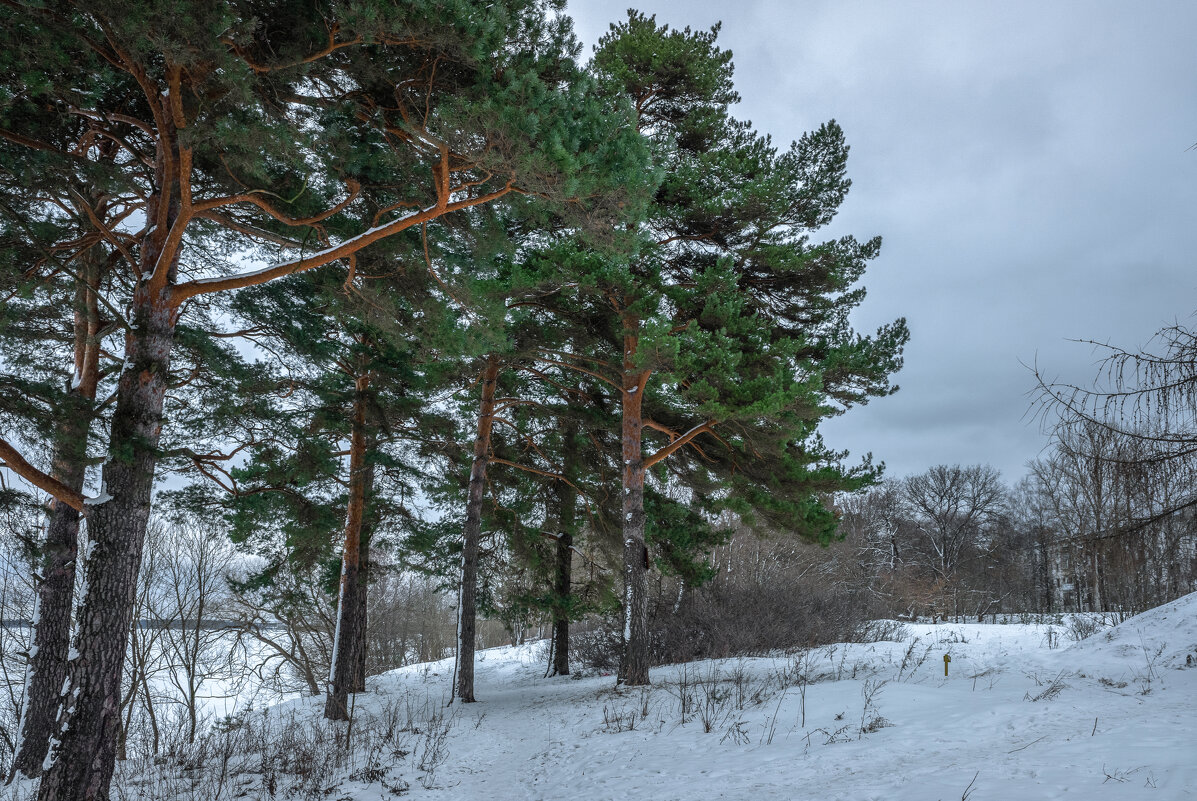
(472, 533)
(348, 644)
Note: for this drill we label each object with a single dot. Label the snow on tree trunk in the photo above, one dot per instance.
(83, 753)
(467, 604)
(47, 668)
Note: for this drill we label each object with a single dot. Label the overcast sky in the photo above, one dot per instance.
(1026, 166)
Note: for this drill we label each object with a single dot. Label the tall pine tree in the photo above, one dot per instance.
(726, 335)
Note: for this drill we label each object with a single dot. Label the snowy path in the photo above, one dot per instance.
(1020, 717)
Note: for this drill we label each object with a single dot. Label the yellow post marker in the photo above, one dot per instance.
(946, 659)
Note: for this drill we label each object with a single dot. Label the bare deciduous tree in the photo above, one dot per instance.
(951, 505)
(191, 607)
(1146, 397)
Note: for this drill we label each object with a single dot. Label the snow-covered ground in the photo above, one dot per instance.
(1021, 715)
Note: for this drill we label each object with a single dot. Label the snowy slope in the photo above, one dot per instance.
(1082, 738)
(1166, 636)
(1019, 716)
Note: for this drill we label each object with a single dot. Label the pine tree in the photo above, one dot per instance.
(358, 364)
(727, 332)
(53, 324)
(221, 133)
(482, 269)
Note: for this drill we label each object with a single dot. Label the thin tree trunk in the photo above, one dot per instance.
(300, 657)
(1046, 576)
(130, 701)
(153, 717)
(633, 668)
(47, 668)
(567, 500)
(467, 604)
(561, 588)
(369, 524)
(347, 642)
(357, 682)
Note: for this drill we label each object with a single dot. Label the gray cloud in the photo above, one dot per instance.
(1026, 165)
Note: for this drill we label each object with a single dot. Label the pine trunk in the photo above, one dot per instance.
(567, 500)
(467, 604)
(84, 753)
(369, 524)
(358, 684)
(633, 668)
(561, 616)
(47, 668)
(348, 641)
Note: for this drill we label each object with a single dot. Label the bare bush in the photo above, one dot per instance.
(298, 755)
(409, 621)
(767, 596)
(1081, 626)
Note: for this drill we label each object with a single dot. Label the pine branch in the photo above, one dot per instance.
(207, 286)
(43, 481)
(681, 441)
